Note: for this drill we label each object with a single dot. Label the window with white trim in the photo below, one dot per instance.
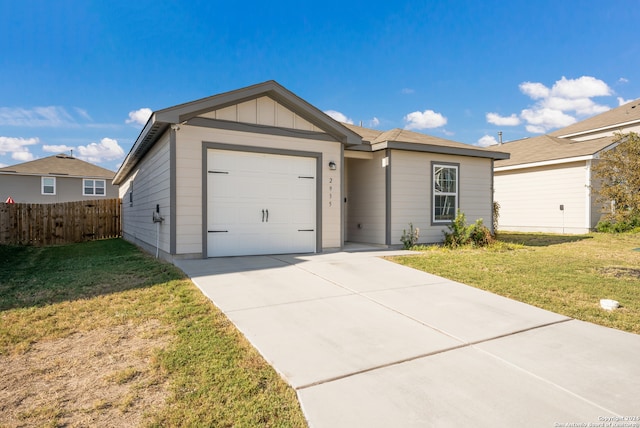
(92, 187)
(48, 185)
(445, 192)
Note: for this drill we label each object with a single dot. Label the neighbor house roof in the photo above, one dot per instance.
(403, 139)
(160, 120)
(546, 148)
(59, 165)
(611, 120)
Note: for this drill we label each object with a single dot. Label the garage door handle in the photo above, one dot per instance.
(305, 230)
(263, 216)
(217, 231)
(267, 216)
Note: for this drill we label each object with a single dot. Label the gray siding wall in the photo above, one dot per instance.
(27, 189)
(411, 192)
(366, 199)
(150, 182)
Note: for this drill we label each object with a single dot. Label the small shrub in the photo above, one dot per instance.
(480, 234)
(460, 234)
(410, 239)
(496, 216)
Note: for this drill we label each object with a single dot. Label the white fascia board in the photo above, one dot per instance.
(544, 163)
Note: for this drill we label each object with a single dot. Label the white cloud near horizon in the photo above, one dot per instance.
(139, 117)
(427, 119)
(622, 101)
(496, 119)
(558, 106)
(340, 117)
(107, 149)
(374, 122)
(486, 141)
(18, 147)
(62, 148)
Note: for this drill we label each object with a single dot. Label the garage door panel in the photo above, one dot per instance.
(263, 201)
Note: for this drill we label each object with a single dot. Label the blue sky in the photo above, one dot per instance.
(83, 75)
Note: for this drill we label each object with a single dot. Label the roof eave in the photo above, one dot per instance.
(431, 148)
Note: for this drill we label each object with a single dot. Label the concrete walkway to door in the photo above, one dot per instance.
(369, 343)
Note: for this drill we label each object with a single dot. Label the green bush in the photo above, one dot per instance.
(608, 226)
(460, 234)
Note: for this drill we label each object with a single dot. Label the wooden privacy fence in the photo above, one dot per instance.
(59, 223)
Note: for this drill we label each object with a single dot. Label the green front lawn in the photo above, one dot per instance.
(56, 296)
(564, 274)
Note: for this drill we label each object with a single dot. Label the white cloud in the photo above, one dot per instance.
(140, 116)
(57, 149)
(534, 90)
(496, 119)
(336, 115)
(52, 116)
(558, 106)
(623, 80)
(23, 156)
(622, 101)
(408, 91)
(83, 113)
(18, 147)
(539, 120)
(424, 120)
(374, 122)
(582, 87)
(486, 141)
(107, 149)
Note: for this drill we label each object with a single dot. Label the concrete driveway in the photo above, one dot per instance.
(369, 343)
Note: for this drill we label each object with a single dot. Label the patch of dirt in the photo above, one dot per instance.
(104, 377)
(621, 272)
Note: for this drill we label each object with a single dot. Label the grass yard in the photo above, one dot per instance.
(564, 274)
(100, 334)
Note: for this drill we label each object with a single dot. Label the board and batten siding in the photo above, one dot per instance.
(530, 199)
(149, 183)
(365, 188)
(411, 197)
(189, 197)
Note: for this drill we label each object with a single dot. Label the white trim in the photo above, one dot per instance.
(42, 192)
(587, 187)
(544, 163)
(104, 187)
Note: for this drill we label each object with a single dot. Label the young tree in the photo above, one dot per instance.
(619, 173)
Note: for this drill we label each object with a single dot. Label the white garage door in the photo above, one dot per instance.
(260, 204)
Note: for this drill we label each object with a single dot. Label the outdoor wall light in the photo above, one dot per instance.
(332, 166)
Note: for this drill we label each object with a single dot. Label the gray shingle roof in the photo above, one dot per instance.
(547, 148)
(629, 112)
(410, 140)
(60, 164)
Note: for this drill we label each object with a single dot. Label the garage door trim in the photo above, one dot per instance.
(207, 145)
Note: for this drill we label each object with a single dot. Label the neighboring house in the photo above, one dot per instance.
(547, 184)
(58, 178)
(261, 171)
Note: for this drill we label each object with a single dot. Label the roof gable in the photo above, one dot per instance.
(264, 104)
(59, 165)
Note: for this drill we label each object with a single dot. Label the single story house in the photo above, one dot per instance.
(547, 184)
(57, 178)
(259, 170)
